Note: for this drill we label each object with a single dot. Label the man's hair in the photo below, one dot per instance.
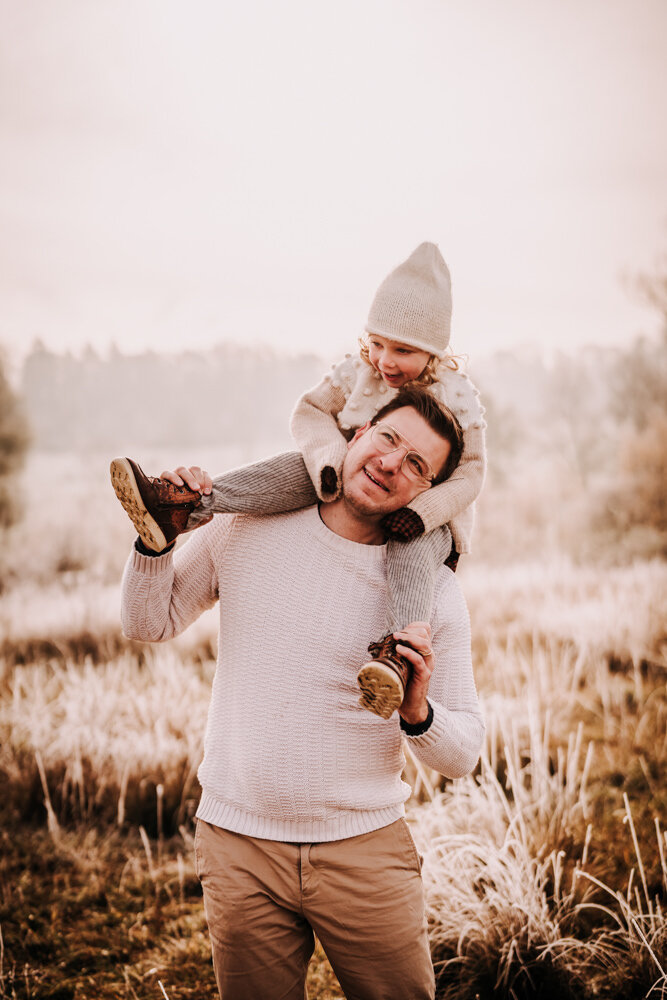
(438, 417)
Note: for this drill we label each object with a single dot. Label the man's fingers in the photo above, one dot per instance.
(423, 664)
(418, 635)
(194, 478)
(418, 628)
(197, 479)
(171, 477)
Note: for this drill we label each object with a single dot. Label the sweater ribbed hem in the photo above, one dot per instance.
(344, 824)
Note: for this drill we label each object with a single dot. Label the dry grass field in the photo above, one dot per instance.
(545, 871)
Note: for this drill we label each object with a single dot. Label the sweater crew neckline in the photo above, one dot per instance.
(373, 554)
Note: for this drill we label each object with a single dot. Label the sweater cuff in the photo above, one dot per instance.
(145, 551)
(419, 728)
(150, 565)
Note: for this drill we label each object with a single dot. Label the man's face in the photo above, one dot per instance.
(374, 483)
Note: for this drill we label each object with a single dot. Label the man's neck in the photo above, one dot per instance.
(348, 523)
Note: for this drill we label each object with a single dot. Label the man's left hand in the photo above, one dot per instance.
(414, 707)
(194, 477)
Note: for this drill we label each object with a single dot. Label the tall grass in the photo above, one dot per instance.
(513, 909)
(544, 870)
(108, 735)
(539, 882)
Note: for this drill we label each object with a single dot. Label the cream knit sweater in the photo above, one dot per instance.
(326, 415)
(289, 754)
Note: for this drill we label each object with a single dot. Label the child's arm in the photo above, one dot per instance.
(442, 503)
(316, 432)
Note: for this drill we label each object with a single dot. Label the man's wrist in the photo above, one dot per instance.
(418, 728)
(145, 551)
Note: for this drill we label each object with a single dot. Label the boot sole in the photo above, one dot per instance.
(381, 689)
(127, 491)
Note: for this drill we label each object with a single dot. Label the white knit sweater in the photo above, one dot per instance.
(289, 754)
(325, 416)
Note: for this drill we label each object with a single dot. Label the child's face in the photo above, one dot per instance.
(397, 363)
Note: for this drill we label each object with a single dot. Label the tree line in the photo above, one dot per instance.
(229, 393)
(599, 414)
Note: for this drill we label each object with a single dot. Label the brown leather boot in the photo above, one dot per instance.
(158, 509)
(384, 678)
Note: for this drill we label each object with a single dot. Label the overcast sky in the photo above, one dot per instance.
(177, 174)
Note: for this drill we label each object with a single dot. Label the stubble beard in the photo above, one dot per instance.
(364, 507)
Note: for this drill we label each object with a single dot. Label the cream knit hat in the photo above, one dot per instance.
(413, 305)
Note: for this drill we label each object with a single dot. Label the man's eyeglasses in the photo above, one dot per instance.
(387, 440)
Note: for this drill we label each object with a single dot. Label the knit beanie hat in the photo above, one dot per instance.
(413, 305)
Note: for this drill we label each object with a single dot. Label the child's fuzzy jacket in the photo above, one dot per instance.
(327, 415)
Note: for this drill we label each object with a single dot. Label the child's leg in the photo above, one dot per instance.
(411, 569)
(271, 486)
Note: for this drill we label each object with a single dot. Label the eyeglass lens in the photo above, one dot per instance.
(388, 440)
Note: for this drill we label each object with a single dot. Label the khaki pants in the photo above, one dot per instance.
(362, 896)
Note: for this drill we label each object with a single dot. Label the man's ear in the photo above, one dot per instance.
(360, 431)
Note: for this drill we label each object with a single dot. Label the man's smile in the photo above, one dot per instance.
(374, 480)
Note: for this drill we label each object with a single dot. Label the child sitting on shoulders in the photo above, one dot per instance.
(406, 344)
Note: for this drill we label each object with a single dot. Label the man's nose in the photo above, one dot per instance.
(393, 461)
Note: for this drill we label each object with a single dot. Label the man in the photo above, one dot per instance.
(300, 824)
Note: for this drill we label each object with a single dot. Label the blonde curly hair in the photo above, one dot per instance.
(430, 373)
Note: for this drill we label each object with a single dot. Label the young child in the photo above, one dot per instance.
(407, 337)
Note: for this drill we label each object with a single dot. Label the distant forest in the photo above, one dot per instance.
(229, 393)
(595, 423)
(574, 407)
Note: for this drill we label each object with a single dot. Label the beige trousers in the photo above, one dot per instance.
(362, 897)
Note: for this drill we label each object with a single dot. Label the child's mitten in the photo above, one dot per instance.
(403, 525)
(329, 482)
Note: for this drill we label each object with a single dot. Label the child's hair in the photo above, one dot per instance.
(430, 372)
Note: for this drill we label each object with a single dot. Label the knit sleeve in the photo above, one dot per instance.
(453, 742)
(162, 595)
(441, 504)
(316, 431)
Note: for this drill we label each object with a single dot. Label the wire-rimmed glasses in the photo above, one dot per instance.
(386, 439)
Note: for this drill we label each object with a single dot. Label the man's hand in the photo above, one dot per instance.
(194, 477)
(414, 707)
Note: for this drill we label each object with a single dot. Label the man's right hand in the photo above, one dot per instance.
(417, 650)
(193, 477)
